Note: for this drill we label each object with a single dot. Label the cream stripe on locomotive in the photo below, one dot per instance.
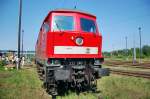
(75, 50)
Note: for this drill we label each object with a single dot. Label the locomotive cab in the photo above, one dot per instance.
(69, 49)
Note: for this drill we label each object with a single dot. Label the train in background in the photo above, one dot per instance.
(69, 51)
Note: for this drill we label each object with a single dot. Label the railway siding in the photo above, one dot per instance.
(131, 73)
(114, 63)
(128, 68)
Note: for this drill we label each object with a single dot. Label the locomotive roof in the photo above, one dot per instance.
(72, 11)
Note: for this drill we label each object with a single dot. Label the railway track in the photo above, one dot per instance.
(131, 73)
(145, 65)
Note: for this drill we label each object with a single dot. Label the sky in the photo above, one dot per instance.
(116, 20)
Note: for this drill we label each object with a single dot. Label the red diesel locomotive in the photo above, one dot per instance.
(69, 51)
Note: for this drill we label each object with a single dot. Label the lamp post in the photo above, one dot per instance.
(19, 33)
(140, 45)
(134, 51)
(22, 41)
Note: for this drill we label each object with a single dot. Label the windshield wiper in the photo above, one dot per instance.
(58, 27)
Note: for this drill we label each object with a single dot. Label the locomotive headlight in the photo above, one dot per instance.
(56, 62)
(79, 40)
(53, 62)
(98, 61)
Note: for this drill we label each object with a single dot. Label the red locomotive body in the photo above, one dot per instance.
(68, 43)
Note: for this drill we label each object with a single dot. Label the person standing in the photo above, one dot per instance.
(22, 61)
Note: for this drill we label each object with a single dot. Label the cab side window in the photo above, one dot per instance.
(45, 27)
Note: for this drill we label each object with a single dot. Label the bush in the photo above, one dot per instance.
(146, 50)
(2, 63)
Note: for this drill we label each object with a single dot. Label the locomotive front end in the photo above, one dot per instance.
(73, 51)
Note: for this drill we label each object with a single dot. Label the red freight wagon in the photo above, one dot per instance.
(69, 51)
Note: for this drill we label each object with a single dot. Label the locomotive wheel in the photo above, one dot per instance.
(51, 89)
(86, 82)
(50, 82)
(62, 87)
(40, 72)
(93, 84)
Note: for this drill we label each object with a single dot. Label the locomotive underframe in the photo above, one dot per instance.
(80, 74)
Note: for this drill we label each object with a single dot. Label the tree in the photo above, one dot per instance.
(146, 50)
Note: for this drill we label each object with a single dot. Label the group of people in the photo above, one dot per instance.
(12, 59)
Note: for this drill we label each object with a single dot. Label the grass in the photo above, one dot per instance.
(123, 87)
(24, 84)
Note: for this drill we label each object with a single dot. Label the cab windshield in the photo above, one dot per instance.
(63, 23)
(87, 25)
